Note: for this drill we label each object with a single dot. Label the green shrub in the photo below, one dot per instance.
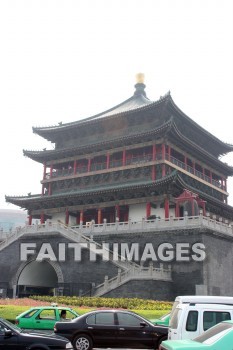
(98, 302)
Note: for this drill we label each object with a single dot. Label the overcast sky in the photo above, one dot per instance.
(64, 60)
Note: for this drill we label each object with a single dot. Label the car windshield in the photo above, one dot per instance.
(162, 318)
(175, 304)
(214, 333)
(174, 318)
(73, 311)
(12, 326)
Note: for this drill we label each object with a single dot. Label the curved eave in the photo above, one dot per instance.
(169, 126)
(49, 155)
(21, 201)
(50, 133)
(227, 168)
(174, 179)
(26, 201)
(224, 147)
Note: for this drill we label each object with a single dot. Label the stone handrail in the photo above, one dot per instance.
(69, 233)
(12, 237)
(85, 233)
(157, 225)
(145, 273)
(80, 238)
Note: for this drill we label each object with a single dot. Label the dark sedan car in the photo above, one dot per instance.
(111, 328)
(13, 338)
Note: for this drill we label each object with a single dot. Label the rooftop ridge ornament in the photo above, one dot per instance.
(140, 77)
(140, 86)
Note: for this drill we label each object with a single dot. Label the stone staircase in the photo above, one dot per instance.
(127, 270)
(70, 234)
(135, 273)
(12, 237)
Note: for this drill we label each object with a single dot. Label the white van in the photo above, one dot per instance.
(192, 315)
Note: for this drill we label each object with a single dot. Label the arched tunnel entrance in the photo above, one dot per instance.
(37, 278)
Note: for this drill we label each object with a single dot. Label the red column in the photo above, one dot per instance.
(81, 216)
(42, 218)
(154, 152)
(67, 217)
(148, 209)
(44, 175)
(89, 165)
(99, 218)
(153, 176)
(29, 219)
(124, 157)
(108, 161)
(163, 170)
(163, 151)
(166, 208)
(75, 166)
(177, 210)
(42, 192)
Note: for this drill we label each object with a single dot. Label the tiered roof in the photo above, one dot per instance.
(166, 119)
(174, 182)
(169, 128)
(164, 109)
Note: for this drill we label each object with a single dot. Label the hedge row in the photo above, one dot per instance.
(97, 302)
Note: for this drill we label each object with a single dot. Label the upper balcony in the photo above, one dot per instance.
(139, 160)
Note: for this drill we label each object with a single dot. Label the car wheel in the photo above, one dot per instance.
(160, 341)
(82, 342)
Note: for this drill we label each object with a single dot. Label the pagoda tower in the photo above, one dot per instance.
(142, 186)
(132, 161)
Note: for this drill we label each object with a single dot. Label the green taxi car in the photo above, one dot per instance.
(219, 337)
(162, 321)
(44, 317)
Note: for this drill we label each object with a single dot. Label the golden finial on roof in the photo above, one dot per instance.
(140, 78)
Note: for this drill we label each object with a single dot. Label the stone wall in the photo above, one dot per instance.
(212, 276)
(155, 290)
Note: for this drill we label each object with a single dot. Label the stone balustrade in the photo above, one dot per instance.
(138, 273)
(88, 232)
